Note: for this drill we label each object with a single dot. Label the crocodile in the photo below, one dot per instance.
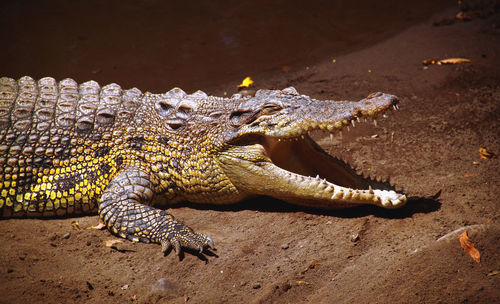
(68, 149)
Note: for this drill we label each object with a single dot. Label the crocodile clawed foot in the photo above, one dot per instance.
(183, 237)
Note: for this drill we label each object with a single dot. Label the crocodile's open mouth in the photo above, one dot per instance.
(298, 170)
(304, 157)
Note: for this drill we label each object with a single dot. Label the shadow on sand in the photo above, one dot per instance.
(268, 204)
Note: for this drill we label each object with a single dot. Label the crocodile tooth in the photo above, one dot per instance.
(386, 202)
(356, 195)
(368, 197)
(338, 194)
(347, 195)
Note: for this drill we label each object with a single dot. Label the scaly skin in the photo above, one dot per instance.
(69, 149)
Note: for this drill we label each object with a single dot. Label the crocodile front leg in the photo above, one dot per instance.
(123, 210)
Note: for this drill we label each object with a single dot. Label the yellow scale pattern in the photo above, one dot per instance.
(81, 197)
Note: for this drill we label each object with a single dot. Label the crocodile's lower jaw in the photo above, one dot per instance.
(300, 172)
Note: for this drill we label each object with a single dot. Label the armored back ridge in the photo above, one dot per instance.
(56, 141)
(69, 149)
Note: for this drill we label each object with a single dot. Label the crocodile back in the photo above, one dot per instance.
(59, 131)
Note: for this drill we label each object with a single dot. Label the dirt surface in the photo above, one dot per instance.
(268, 251)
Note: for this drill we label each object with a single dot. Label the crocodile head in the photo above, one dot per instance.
(266, 150)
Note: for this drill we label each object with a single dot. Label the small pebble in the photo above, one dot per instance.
(286, 286)
(165, 286)
(67, 235)
(256, 286)
(354, 237)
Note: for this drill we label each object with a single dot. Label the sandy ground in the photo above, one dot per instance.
(268, 251)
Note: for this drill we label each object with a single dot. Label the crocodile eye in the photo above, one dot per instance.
(271, 108)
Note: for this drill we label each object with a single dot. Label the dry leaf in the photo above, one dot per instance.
(429, 61)
(465, 16)
(494, 272)
(303, 283)
(445, 61)
(470, 174)
(99, 226)
(468, 247)
(453, 61)
(76, 225)
(246, 83)
(314, 264)
(444, 21)
(286, 68)
(485, 154)
(111, 243)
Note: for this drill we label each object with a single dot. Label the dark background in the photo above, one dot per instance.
(156, 45)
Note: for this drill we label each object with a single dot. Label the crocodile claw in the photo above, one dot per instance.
(183, 237)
